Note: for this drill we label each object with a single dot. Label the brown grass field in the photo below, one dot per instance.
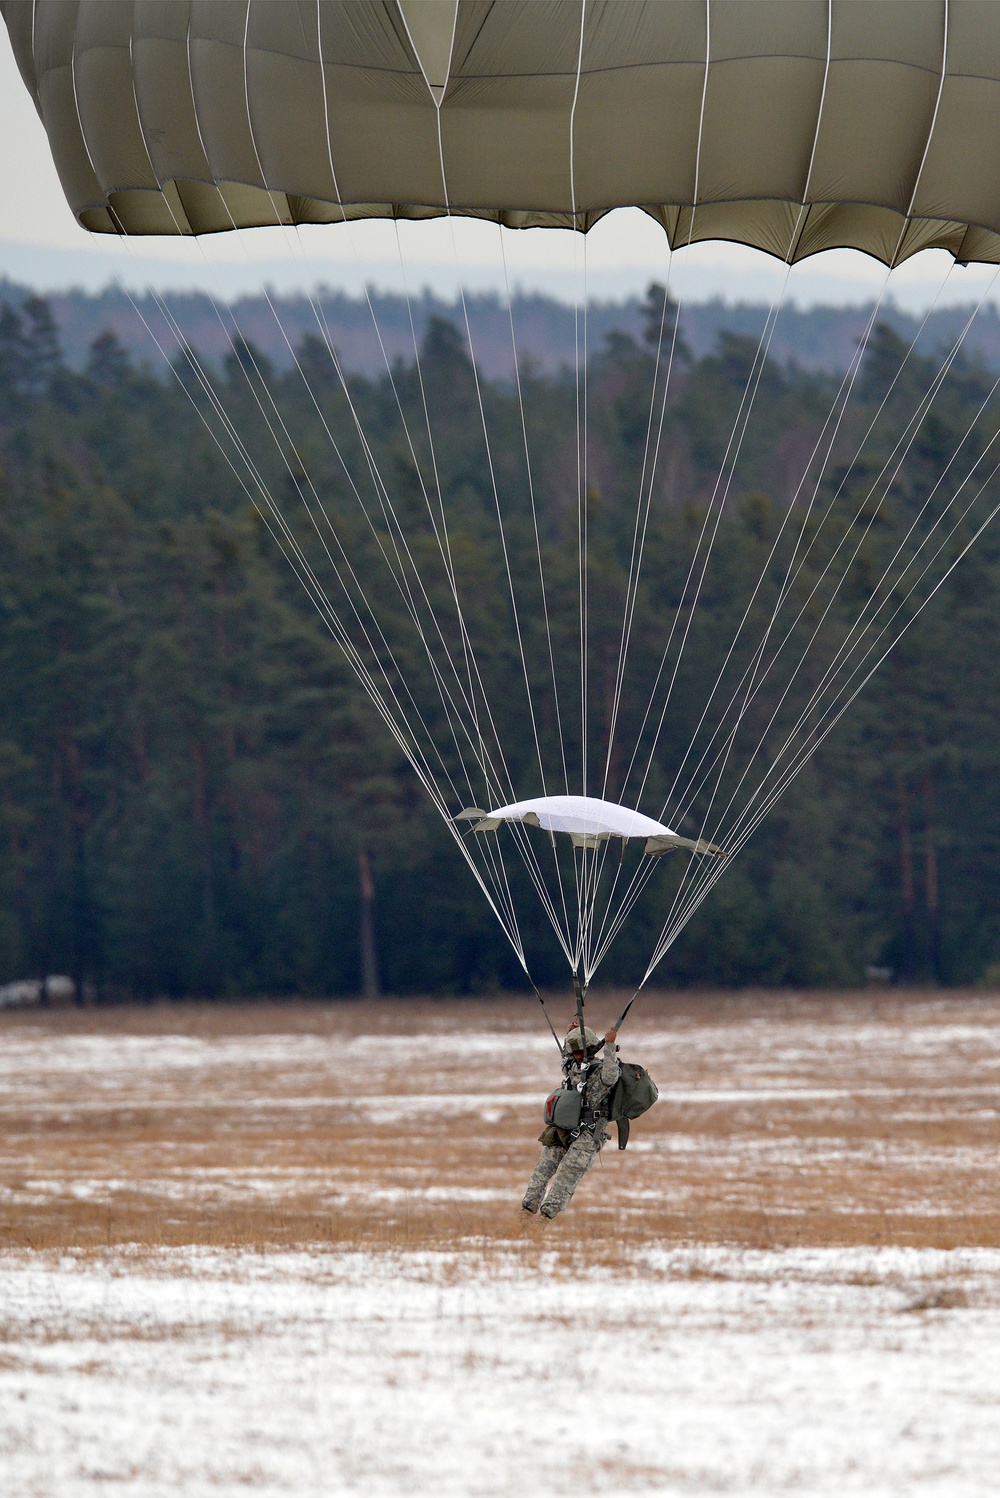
(827, 1119)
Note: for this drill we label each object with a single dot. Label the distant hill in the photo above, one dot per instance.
(546, 330)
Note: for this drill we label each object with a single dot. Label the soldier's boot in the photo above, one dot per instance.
(548, 1164)
(577, 1161)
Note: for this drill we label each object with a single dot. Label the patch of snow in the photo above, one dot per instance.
(691, 1370)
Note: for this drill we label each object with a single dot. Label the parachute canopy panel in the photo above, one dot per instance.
(588, 821)
(794, 127)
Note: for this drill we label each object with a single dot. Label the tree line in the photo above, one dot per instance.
(196, 796)
(815, 338)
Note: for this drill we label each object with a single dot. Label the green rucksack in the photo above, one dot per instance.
(632, 1095)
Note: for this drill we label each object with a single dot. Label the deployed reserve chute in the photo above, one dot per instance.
(793, 127)
(588, 822)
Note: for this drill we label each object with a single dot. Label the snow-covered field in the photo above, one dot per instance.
(231, 1267)
(696, 1370)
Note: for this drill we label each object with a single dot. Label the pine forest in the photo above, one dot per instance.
(197, 798)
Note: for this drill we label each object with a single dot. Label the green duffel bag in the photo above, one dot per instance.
(632, 1095)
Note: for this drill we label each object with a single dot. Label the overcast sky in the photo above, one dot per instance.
(42, 245)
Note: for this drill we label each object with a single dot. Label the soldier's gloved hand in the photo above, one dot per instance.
(610, 1037)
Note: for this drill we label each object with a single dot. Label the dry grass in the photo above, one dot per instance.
(826, 1120)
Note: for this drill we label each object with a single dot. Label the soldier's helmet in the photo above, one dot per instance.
(572, 1041)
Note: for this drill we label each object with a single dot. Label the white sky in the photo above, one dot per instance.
(42, 245)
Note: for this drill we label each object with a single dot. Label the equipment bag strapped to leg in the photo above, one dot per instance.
(563, 1108)
(632, 1095)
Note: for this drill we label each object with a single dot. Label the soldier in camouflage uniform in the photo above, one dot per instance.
(565, 1157)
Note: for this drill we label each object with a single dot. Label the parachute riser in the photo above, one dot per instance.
(580, 992)
(548, 1021)
(620, 1020)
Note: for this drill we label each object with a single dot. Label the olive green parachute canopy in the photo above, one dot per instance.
(791, 125)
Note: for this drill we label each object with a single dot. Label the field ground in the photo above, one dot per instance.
(278, 1248)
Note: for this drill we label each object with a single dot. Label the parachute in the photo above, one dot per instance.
(796, 127)
(791, 128)
(588, 821)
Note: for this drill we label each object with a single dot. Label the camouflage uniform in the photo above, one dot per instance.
(564, 1161)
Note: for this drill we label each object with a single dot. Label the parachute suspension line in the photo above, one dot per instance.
(541, 568)
(612, 926)
(687, 247)
(545, 1011)
(916, 421)
(716, 507)
(804, 213)
(863, 624)
(642, 874)
(471, 701)
(642, 511)
(894, 461)
(752, 678)
(903, 443)
(522, 839)
(699, 564)
(289, 543)
(580, 865)
(396, 530)
(400, 548)
(472, 667)
(534, 516)
(912, 201)
(642, 878)
(758, 677)
(836, 712)
(491, 853)
(493, 850)
(441, 534)
(260, 484)
(838, 410)
(527, 851)
(496, 499)
(701, 121)
(381, 490)
(400, 578)
(277, 527)
(711, 875)
(405, 741)
(847, 384)
(467, 647)
(325, 330)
